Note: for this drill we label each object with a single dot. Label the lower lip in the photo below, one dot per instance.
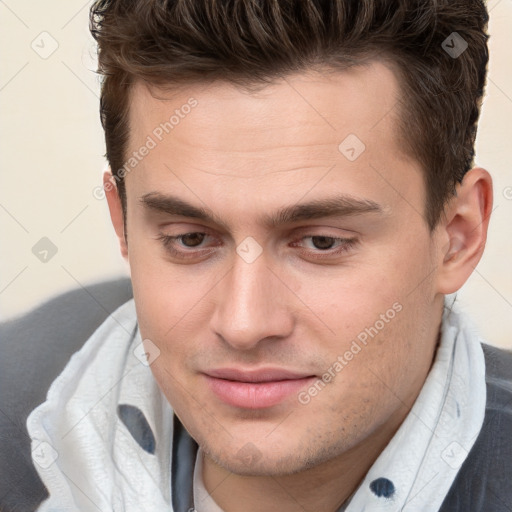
(255, 395)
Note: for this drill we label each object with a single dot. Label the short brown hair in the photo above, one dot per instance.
(246, 42)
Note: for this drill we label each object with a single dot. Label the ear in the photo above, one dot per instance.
(463, 230)
(116, 211)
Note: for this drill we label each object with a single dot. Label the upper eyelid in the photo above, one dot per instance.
(302, 230)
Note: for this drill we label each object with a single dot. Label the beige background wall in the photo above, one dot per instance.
(51, 144)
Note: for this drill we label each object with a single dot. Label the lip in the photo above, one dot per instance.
(255, 389)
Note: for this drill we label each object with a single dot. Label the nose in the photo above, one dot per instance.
(252, 305)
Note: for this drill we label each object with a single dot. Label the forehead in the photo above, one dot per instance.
(304, 107)
(218, 139)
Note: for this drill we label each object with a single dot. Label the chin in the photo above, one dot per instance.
(251, 460)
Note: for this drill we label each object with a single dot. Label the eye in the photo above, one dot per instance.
(191, 239)
(322, 246)
(323, 242)
(177, 245)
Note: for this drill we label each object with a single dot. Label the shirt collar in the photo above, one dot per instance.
(419, 465)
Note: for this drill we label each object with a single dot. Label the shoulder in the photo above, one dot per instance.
(35, 349)
(483, 482)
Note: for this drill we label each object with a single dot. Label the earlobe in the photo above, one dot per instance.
(116, 211)
(464, 226)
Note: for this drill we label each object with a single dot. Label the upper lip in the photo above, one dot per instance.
(260, 375)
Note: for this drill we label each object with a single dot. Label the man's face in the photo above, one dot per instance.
(301, 293)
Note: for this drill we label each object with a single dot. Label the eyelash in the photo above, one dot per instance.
(347, 245)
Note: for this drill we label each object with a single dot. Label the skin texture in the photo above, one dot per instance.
(242, 156)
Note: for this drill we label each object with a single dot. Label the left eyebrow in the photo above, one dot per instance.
(337, 206)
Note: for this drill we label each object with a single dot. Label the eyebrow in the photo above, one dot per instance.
(337, 206)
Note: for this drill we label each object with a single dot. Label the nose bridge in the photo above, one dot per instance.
(251, 305)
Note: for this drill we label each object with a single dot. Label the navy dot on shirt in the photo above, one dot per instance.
(138, 426)
(382, 487)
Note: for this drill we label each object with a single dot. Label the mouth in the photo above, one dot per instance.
(255, 389)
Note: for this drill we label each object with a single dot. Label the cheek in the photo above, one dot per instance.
(370, 330)
(368, 360)
(348, 299)
(167, 297)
